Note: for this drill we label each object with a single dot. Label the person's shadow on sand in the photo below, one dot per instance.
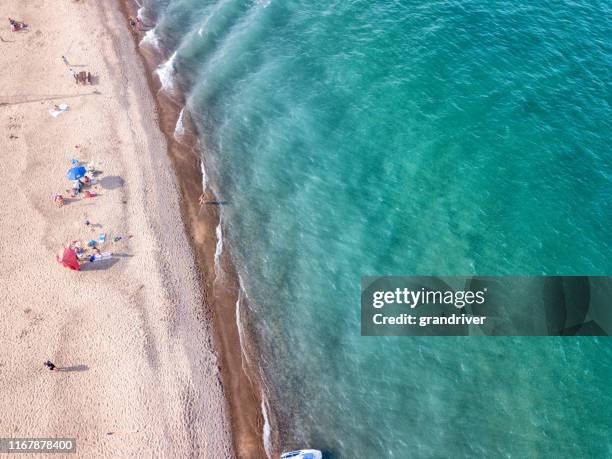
(111, 182)
(99, 265)
(73, 368)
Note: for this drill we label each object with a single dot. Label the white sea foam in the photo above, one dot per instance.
(266, 427)
(140, 14)
(243, 352)
(151, 39)
(165, 73)
(179, 130)
(204, 177)
(218, 249)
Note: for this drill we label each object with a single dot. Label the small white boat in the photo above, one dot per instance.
(303, 454)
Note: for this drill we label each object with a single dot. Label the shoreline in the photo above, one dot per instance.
(222, 298)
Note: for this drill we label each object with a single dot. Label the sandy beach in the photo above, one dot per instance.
(140, 374)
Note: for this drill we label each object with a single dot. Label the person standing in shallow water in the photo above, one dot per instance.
(50, 365)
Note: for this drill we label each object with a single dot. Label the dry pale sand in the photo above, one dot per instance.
(144, 380)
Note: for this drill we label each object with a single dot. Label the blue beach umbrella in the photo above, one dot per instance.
(76, 173)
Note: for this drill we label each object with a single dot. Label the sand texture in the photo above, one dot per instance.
(140, 375)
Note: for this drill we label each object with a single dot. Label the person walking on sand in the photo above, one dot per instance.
(49, 364)
(65, 61)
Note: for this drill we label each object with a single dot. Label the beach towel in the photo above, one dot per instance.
(61, 109)
(101, 257)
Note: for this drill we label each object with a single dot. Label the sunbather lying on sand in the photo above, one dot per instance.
(16, 26)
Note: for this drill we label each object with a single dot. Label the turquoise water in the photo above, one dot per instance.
(361, 138)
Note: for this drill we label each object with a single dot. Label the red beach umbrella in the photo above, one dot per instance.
(68, 258)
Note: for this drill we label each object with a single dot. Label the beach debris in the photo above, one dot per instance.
(58, 110)
(76, 173)
(58, 199)
(50, 365)
(102, 238)
(68, 258)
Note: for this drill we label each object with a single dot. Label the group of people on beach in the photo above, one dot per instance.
(77, 252)
(83, 186)
(77, 190)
